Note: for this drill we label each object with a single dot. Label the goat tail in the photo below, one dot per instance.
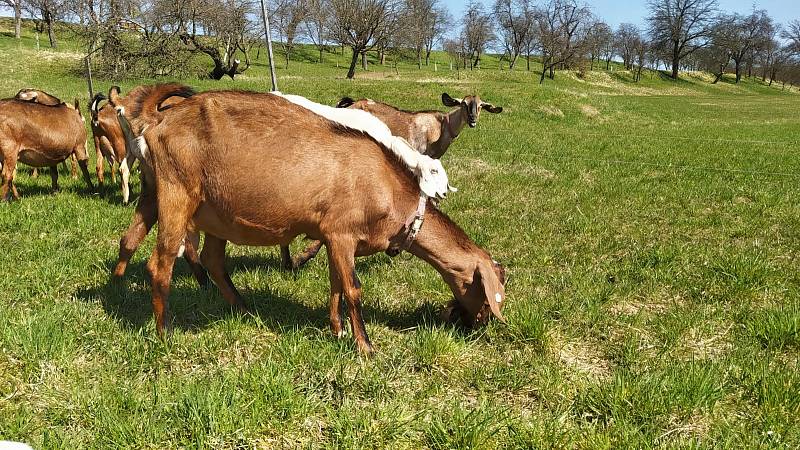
(345, 102)
(78, 107)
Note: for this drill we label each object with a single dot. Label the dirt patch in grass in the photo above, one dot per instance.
(590, 111)
(582, 357)
(551, 111)
(704, 343)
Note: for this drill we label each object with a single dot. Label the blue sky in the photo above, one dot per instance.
(616, 12)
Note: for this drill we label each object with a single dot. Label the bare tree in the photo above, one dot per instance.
(226, 31)
(599, 39)
(358, 24)
(46, 13)
(317, 23)
(562, 28)
(516, 19)
(626, 39)
(286, 17)
(439, 23)
(682, 26)
(792, 34)
(747, 34)
(15, 5)
(477, 32)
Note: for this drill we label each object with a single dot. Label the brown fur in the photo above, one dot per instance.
(109, 143)
(39, 136)
(428, 132)
(255, 169)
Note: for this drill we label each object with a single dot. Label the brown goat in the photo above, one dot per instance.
(428, 132)
(39, 96)
(39, 136)
(109, 143)
(309, 180)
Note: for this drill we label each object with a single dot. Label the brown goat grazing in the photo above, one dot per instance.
(40, 136)
(109, 143)
(38, 96)
(428, 132)
(309, 180)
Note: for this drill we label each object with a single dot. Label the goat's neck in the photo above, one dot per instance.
(443, 245)
(452, 124)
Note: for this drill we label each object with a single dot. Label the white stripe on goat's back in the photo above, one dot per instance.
(432, 176)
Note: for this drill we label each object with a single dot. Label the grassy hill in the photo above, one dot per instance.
(650, 231)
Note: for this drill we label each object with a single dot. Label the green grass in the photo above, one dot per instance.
(651, 235)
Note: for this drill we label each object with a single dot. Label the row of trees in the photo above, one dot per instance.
(161, 37)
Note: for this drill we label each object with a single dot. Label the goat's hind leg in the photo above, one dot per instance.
(172, 224)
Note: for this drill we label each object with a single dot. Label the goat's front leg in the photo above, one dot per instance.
(336, 303)
(144, 217)
(213, 258)
(286, 258)
(100, 159)
(54, 178)
(341, 254)
(307, 254)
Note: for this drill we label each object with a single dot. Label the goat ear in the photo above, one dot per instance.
(488, 107)
(114, 95)
(494, 292)
(345, 102)
(450, 102)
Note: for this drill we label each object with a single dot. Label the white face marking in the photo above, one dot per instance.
(430, 172)
(120, 109)
(498, 298)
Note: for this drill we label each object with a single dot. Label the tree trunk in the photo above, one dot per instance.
(427, 57)
(528, 58)
(353, 61)
(50, 32)
(738, 71)
(364, 60)
(17, 19)
(320, 54)
(513, 62)
(676, 53)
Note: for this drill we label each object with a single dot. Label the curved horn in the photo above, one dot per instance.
(95, 106)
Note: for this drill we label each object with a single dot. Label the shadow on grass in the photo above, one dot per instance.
(194, 307)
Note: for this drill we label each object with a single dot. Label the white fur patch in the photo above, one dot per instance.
(182, 249)
(430, 172)
(141, 148)
(498, 298)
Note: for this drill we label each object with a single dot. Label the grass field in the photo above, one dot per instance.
(651, 232)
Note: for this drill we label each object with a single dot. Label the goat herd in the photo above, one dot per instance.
(261, 169)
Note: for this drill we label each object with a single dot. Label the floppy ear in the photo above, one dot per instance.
(113, 95)
(494, 292)
(345, 102)
(488, 107)
(450, 102)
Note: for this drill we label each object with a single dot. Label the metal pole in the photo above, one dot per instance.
(269, 47)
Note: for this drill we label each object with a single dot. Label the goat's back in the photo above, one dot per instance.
(264, 160)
